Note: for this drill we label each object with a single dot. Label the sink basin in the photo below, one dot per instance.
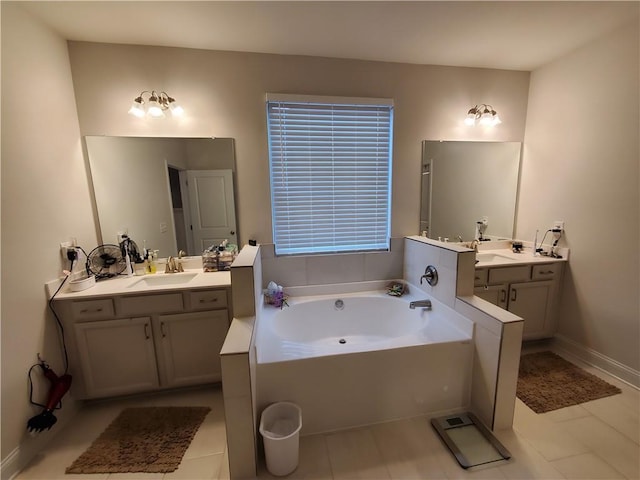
(164, 279)
(492, 257)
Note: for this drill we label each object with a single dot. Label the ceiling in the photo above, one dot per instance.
(503, 34)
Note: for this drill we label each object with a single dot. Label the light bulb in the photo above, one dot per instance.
(137, 110)
(486, 118)
(154, 109)
(176, 110)
(470, 120)
(496, 119)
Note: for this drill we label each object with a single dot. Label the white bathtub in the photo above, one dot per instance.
(315, 326)
(393, 362)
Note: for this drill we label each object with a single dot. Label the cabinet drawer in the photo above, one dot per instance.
(208, 299)
(93, 309)
(148, 304)
(521, 273)
(481, 277)
(548, 271)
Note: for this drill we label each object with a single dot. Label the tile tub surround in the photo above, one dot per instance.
(371, 383)
(238, 365)
(498, 333)
(456, 268)
(304, 270)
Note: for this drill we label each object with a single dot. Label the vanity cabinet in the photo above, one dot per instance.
(529, 291)
(125, 344)
(116, 356)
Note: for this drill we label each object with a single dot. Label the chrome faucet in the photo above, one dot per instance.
(173, 266)
(420, 303)
(474, 244)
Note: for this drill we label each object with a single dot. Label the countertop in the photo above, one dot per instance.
(135, 284)
(505, 257)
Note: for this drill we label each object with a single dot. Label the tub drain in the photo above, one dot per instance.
(342, 340)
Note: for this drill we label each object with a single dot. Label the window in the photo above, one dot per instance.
(330, 163)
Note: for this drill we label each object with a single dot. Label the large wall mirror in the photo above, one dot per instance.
(168, 194)
(467, 182)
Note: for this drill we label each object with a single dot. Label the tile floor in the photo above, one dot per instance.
(594, 440)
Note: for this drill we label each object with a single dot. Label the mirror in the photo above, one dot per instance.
(167, 194)
(468, 182)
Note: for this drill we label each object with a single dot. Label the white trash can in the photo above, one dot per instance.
(280, 425)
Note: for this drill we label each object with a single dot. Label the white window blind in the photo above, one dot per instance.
(330, 168)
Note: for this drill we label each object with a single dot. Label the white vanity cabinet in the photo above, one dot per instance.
(123, 344)
(529, 291)
(116, 356)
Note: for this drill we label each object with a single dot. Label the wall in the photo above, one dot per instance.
(580, 165)
(223, 94)
(45, 200)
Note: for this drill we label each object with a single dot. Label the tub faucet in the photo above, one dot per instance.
(420, 303)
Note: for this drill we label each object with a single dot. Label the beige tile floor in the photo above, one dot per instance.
(594, 440)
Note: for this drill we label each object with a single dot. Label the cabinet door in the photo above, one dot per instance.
(532, 302)
(496, 294)
(117, 356)
(189, 346)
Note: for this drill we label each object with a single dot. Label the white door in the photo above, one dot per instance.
(212, 208)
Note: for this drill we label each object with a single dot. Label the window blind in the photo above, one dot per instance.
(330, 167)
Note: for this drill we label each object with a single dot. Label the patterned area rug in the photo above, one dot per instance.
(548, 382)
(148, 439)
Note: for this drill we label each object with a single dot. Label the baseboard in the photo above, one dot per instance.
(595, 359)
(24, 453)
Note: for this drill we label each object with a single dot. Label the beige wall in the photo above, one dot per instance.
(45, 200)
(223, 94)
(580, 165)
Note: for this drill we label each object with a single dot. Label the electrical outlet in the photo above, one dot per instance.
(558, 225)
(64, 246)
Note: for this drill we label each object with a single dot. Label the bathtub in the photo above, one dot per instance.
(360, 358)
(315, 326)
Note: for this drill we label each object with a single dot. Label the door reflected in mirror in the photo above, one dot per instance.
(168, 194)
(468, 182)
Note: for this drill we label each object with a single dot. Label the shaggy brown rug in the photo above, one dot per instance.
(147, 439)
(547, 382)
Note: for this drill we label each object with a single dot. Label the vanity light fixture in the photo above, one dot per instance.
(482, 114)
(155, 105)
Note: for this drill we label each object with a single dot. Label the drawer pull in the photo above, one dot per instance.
(162, 330)
(548, 272)
(504, 295)
(89, 310)
(146, 331)
(477, 278)
(514, 295)
(204, 300)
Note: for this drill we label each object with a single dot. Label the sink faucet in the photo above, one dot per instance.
(420, 303)
(474, 244)
(173, 266)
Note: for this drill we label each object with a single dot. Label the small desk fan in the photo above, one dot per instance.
(106, 261)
